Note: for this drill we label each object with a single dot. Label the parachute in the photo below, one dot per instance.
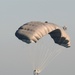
(34, 31)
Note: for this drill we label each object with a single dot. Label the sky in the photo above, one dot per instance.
(13, 54)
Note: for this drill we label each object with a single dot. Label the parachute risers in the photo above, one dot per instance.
(36, 72)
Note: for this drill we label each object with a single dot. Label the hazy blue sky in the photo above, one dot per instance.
(14, 13)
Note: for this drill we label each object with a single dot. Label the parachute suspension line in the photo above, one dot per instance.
(33, 51)
(42, 55)
(37, 51)
(49, 53)
(45, 56)
(31, 54)
(50, 58)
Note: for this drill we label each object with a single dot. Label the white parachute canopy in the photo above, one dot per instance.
(43, 50)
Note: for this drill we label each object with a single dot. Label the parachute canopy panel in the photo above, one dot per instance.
(35, 30)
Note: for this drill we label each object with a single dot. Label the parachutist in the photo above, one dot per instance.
(36, 72)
